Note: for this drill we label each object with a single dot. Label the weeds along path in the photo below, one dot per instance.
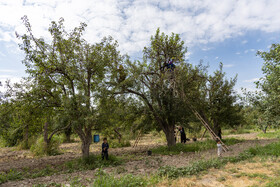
(141, 165)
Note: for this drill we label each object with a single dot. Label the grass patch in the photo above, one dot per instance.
(252, 175)
(117, 144)
(272, 149)
(275, 182)
(192, 147)
(237, 131)
(275, 134)
(199, 166)
(194, 168)
(92, 162)
(203, 165)
(11, 175)
(106, 180)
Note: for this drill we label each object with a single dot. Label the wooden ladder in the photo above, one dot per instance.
(138, 138)
(213, 134)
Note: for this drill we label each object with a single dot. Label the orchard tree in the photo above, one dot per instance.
(21, 114)
(270, 83)
(153, 83)
(221, 99)
(212, 96)
(72, 71)
(261, 113)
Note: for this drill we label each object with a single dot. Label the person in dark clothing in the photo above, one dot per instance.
(170, 65)
(105, 147)
(183, 134)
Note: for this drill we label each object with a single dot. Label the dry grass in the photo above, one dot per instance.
(257, 172)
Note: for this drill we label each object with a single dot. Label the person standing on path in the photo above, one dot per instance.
(219, 146)
(105, 147)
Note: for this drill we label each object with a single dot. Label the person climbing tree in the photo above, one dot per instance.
(170, 65)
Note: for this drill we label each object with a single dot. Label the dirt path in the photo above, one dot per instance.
(145, 165)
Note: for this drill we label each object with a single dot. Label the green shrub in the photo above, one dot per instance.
(2, 142)
(10, 175)
(92, 162)
(40, 148)
(115, 143)
(27, 144)
(11, 138)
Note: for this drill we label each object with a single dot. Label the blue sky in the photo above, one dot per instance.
(228, 31)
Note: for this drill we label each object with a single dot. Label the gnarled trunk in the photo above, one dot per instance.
(86, 138)
(86, 147)
(169, 134)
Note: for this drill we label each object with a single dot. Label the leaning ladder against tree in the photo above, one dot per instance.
(172, 82)
(138, 138)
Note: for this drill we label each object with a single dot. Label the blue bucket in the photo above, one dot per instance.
(96, 138)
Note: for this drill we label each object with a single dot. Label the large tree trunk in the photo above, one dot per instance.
(46, 133)
(217, 130)
(46, 137)
(169, 134)
(85, 148)
(264, 129)
(86, 139)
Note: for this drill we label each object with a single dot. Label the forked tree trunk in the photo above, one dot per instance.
(86, 139)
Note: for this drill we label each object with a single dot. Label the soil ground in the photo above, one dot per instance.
(137, 161)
